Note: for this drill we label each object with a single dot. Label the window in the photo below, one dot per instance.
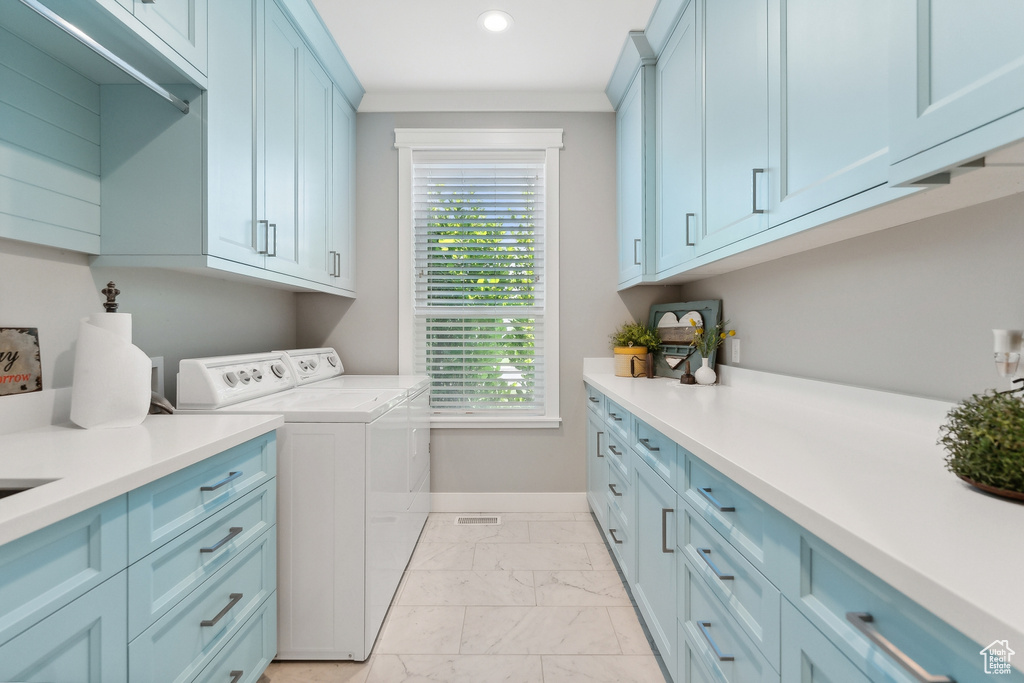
(479, 273)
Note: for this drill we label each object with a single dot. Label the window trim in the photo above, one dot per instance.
(408, 140)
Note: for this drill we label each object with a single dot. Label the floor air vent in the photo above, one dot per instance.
(477, 520)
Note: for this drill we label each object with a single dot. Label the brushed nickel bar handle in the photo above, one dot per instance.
(256, 235)
(862, 622)
(232, 532)
(664, 530)
(705, 554)
(704, 626)
(756, 171)
(636, 259)
(614, 492)
(594, 399)
(648, 446)
(79, 35)
(236, 676)
(706, 492)
(599, 453)
(617, 541)
(231, 477)
(613, 450)
(235, 597)
(334, 263)
(689, 242)
(615, 417)
(337, 257)
(274, 226)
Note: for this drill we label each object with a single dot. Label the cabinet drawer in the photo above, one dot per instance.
(737, 515)
(619, 456)
(47, 569)
(621, 541)
(832, 590)
(620, 492)
(808, 656)
(179, 645)
(715, 638)
(618, 419)
(160, 511)
(248, 654)
(595, 400)
(657, 450)
(160, 580)
(752, 600)
(83, 641)
(691, 668)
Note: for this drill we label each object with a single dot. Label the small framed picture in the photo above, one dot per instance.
(20, 370)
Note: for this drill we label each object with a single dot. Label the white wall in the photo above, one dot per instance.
(365, 331)
(907, 309)
(173, 315)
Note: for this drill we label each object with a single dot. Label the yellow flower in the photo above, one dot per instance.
(693, 323)
(732, 333)
(722, 335)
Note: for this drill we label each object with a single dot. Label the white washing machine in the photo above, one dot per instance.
(353, 486)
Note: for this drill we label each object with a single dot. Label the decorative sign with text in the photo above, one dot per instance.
(20, 371)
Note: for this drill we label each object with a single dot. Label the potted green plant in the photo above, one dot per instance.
(633, 340)
(984, 441)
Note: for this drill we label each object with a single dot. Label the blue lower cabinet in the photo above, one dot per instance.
(185, 640)
(715, 637)
(654, 585)
(809, 657)
(250, 652)
(83, 642)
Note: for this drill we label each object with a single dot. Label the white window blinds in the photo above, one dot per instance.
(479, 280)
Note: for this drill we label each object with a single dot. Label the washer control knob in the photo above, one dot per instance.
(304, 366)
(244, 376)
(278, 369)
(333, 360)
(313, 364)
(230, 378)
(257, 374)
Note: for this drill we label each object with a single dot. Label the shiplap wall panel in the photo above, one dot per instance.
(49, 150)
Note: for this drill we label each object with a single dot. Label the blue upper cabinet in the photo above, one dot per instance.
(680, 185)
(632, 91)
(957, 83)
(829, 124)
(736, 178)
(179, 23)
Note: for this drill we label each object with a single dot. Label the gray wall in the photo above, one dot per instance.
(907, 309)
(365, 331)
(173, 315)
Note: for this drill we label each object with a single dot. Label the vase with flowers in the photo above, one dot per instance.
(706, 341)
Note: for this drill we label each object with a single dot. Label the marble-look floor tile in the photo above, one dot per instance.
(421, 629)
(632, 639)
(602, 669)
(506, 532)
(509, 556)
(538, 630)
(449, 556)
(469, 588)
(592, 588)
(451, 669)
(600, 558)
(318, 672)
(583, 516)
(536, 516)
(564, 532)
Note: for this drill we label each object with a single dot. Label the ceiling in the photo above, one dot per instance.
(431, 55)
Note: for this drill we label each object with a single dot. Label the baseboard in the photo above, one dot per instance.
(508, 502)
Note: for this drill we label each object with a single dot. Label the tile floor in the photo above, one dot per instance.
(534, 600)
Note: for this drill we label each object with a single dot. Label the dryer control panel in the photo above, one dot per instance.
(211, 383)
(313, 365)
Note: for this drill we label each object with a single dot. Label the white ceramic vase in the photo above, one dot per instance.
(705, 374)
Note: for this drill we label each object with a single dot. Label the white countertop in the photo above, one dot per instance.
(859, 469)
(95, 465)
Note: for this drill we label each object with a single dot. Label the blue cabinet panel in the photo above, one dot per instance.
(83, 642)
(632, 207)
(250, 652)
(655, 584)
(44, 571)
(597, 469)
(181, 24)
(809, 657)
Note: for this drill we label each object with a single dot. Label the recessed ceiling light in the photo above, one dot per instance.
(495, 21)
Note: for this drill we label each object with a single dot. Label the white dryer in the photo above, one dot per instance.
(353, 487)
